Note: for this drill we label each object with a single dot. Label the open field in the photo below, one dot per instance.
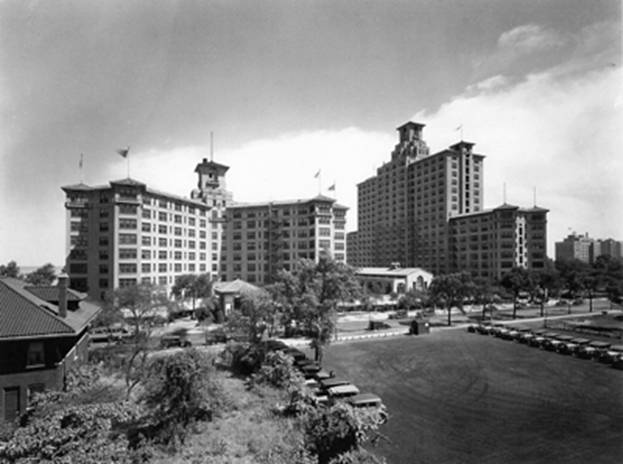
(455, 397)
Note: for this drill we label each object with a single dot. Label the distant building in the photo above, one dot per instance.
(490, 243)
(393, 279)
(413, 209)
(43, 333)
(127, 233)
(586, 249)
(263, 238)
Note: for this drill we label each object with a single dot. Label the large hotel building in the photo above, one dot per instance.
(263, 238)
(126, 233)
(421, 208)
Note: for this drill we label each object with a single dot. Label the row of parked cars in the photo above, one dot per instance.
(325, 386)
(545, 339)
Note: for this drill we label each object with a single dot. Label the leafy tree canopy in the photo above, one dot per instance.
(45, 275)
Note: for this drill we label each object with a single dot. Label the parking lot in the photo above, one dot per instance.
(457, 397)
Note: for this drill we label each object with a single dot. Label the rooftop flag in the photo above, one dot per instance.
(317, 175)
(332, 188)
(124, 151)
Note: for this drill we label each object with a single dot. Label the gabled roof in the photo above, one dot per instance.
(238, 286)
(49, 293)
(127, 181)
(80, 186)
(24, 315)
(409, 124)
(390, 272)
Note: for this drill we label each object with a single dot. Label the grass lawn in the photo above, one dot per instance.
(456, 397)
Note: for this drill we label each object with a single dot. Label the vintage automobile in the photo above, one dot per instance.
(339, 392)
(611, 355)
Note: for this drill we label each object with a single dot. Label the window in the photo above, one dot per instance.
(162, 267)
(146, 227)
(127, 268)
(146, 240)
(127, 239)
(127, 282)
(178, 255)
(103, 241)
(162, 216)
(177, 219)
(191, 221)
(127, 253)
(178, 267)
(35, 357)
(146, 267)
(127, 223)
(324, 232)
(127, 209)
(162, 242)
(103, 226)
(191, 256)
(145, 254)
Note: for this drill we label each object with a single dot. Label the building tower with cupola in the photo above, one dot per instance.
(212, 190)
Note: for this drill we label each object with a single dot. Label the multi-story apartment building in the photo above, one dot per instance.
(586, 249)
(126, 233)
(492, 242)
(261, 239)
(405, 211)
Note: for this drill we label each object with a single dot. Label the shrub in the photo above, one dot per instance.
(278, 371)
(179, 389)
(339, 429)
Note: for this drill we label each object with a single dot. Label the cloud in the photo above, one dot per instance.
(529, 38)
(556, 131)
(273, 168)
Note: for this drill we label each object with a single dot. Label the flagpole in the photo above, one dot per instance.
(128, 160)
(80, 165)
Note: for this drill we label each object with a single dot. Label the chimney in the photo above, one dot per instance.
(62, 294)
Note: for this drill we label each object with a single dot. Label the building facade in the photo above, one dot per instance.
(261, 239)
(413, 209)
(490, 243)
(586, 249)
(403, 210)
(44, 333)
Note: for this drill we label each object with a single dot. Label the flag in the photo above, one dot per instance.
(124, 151)
(332, 188)
(80, 162)
(317, 175)
(459, 128)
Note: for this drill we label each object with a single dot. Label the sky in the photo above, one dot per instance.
(290, 88)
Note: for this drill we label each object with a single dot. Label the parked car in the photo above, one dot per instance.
(472, 328)
(600, 348)
(551, 341)
(109, 334)
(536, 341)
(172, 340)
(333, 382)
(579, 343)
(309, 370)
(611, 355)
(518, 332)
(585, 352)
(365, 400)
(525, 337)
(342, 391)
(484, 329)
(618, 363)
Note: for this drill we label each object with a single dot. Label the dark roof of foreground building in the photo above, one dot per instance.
(49, 293)
(24, 315)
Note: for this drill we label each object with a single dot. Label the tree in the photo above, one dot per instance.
(10, 270)
(451, 290)
(412, 299)
(545, 282)
(309, 296)
(137, 305)
(193, 285)
(256, 315)
(484, 293)
(45, 275)
(517, 280)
